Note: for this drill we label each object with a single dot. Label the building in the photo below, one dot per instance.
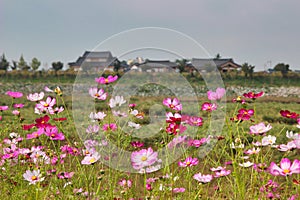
(223, 64)
(94, 61)
(155, 66)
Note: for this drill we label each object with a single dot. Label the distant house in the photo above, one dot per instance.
(155, 66)
(223, 65)
(94, 61)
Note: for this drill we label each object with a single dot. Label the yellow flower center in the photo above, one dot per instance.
(106, 80)
(92, 160)
(46, 105)
(34, 178)
(144, 158)
(188, 163)
(286, 171)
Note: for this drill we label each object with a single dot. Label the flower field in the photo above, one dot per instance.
(255, 155)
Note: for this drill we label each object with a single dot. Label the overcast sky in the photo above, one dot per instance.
(254, 31)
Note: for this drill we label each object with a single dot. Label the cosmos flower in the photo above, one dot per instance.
(209, 106)
(288, 114)
(268, 140)
(143, 158)
(125, 183)
(244, 114)
(246, 164)
(97, 116)
(286, 167)
(134, 125)
(221, 173)
(90, 158)
(188, 162)
(33, 176)
(97, 94)
(111, 127)
(252, 95)
(117, 101)
(173, 104)
(107, 80)
(53, 133)
(18, 105)
(36, 96)
(202, 178)
(260, 128)
(220, 92)
(14, 94)
(2, 108)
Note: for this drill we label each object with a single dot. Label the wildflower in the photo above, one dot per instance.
(202, 178)
(45, 105)
(52, 132)
(90, 158)
(2, 108)
(175, 129)
(117, 101)
(195, 121)
(219, 168)
(14, 94)
(268, 140)
(291, 135)
(97, 94)
(221, 173)
(119, 113)
(260, 167)
(188, 162)
(36, 96)
(143, 158)
(239, 100)
(173, 117)
(97, 116)
(253, 151)
(244, 114)
(35, 134)
(246, 164)
(220, 92)
(58, 91)
(111, 127)
(137, 114)
(298, 123)
(286, 167)
(33, 176)
(178, 190)
(137, 144)
(15, 112)
(125, 183)
(173, 104)
(92, 129)
(134, 125)
(286, 147)
(288, 114)
(176, 141)
(65, 175)
(252, 95)
(260, 128)
(107, 80)
(209, 106)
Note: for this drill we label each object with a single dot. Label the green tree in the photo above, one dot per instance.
(35, 63)
(181, 64)
(4, 64)
(57, 66)
(283, 68)
(218, 56)
(22, 65)
(248, 69)
(14, 65)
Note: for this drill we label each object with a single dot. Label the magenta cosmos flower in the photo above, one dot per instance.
(53, 133)
(188, 162)
(14, 94)
(195, 121)
(107, 80)
(252, 95)
(286, 167)
(209, 106)
(173, 104)
(107, 127)
(244, 114)
(143, 158)
(217, 95)
(33, 176)
(288, 114)
(203, 178)
(18, 105)
(97, 94)
(2, 108)
(260, 128)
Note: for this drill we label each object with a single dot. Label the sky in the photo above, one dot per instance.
(260, 32)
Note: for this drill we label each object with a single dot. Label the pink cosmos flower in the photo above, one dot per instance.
(176, 141)
(56, 110)
(2, 108)
(298, 122)
(137, 144)
(49, 103)
(90, 158)
(107, 80)
(33, 176)
(36, 96)
(195, 121)
(244, 114)
(173, 118)
(203, 178)
(111, 127)
(1, 117)
(219, 168)
(93, 129)
(15, 112)
(173, 104)
(188, 162)
(209, 106)
(35, 134)
(143, 158)
(65, 175)
(268, 140)
(18, 105)
(178, 190)
(175, 129)
(97, 116)
(125, 183)
(97, 94)
(52, 132)
(260, 128)
(220, 92)
(286, 167)
(286, 147)
(221, 173)
(252, 151)
(288, 114)
(14, 94)
(252, 95)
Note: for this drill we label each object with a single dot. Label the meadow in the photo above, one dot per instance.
(47, 153)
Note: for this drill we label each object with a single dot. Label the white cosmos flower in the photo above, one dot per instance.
(134, 125)
(117, 101)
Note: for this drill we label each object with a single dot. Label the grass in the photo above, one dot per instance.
(98, 181)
